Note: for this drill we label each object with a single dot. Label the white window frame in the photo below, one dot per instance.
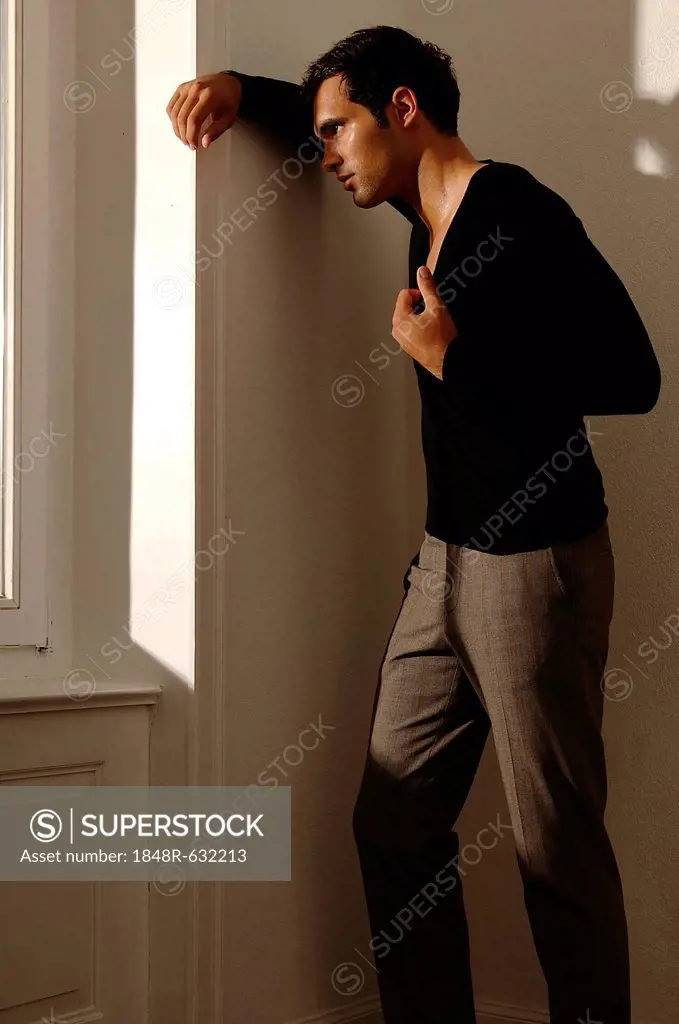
(24, 605)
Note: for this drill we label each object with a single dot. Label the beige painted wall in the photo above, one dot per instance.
(332, 498)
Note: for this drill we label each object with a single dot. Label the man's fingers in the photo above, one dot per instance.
(404, 321)
(189, 101)
(405, 301)
(195, 119)
(201, 110)
(175, 96)
(173, 109)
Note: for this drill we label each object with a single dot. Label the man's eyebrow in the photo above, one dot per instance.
(331, 122)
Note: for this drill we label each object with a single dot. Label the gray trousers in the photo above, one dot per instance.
(517, 644)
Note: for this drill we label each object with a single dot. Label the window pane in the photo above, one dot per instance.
(8, 100)
(4, 100)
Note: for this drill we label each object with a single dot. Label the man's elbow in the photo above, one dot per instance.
(644, 378)
(650, 392)
(652, 398)
(642, 394)
(634, 396)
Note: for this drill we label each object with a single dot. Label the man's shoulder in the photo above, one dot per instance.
(517, 189)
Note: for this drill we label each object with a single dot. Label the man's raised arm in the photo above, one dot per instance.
(270, 103)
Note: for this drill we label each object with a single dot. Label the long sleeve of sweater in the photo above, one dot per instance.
(278, 107)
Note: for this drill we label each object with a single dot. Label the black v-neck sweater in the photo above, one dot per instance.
(547, 334)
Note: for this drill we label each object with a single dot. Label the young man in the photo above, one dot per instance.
(523, 330)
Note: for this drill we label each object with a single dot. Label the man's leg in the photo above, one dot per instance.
(427, 734)
(533, 630)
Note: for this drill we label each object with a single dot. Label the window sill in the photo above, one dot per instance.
(26, 695)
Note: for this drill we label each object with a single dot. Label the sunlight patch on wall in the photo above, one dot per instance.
(162, 514)
(656, 83)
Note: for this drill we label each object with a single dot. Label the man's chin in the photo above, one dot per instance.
(366, 200)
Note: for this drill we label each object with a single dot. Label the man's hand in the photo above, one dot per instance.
(216, 96)
(426, 335)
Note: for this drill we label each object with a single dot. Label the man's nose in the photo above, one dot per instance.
(330, 161)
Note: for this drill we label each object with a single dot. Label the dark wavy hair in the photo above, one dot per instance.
(375, 61)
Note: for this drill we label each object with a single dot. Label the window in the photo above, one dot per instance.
(8, 208)
(24, 426)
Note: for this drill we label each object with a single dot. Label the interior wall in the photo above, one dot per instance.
(323, 477)
(330, 498)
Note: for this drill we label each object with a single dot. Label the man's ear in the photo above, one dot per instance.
(405, 105)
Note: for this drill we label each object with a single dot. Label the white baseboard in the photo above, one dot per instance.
(501, 1013)
(367, 1011)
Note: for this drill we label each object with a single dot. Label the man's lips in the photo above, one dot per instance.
(346, 180)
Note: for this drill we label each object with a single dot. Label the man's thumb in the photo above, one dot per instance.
(427, 286)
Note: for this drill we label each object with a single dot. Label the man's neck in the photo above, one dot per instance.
(441, 177)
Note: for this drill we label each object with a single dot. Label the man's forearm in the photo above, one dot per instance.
(277, 106)
(620, 371)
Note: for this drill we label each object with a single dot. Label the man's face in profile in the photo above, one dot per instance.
(354, 144)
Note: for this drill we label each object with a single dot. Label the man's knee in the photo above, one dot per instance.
(386, 813)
